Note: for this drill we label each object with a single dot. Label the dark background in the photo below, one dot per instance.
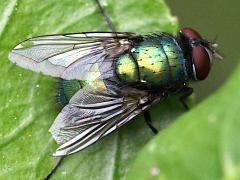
(213, 18)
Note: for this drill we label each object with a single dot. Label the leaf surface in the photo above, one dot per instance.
(28, 104)
(202, 144)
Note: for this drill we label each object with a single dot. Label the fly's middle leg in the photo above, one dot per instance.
(148, 120)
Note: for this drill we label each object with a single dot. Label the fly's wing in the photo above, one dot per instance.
(79, 56)
(93, 112)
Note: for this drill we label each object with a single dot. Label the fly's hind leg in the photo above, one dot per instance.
(54, 169)
(105, 15)
(148, 120)
(185, 93)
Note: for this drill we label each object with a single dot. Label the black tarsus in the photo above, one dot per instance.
(148, 120)
(186, 92)
(54, 168)
(106, 17)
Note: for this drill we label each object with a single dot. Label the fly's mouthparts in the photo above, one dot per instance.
(217, 55)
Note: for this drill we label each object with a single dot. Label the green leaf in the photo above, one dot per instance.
(202, 144)
(28, 105)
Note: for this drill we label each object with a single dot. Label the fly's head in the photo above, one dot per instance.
(199, 53)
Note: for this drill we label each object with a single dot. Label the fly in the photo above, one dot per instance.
(111, 77)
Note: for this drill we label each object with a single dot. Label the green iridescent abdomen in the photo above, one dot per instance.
(155, 62)
(67, 89)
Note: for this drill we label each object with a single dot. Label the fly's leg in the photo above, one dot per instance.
(106, 17)
(148, 120)
(54, 169)
(186, 92)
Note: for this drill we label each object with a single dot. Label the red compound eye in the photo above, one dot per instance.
(200, 57)
(201, 61)
(190, 33)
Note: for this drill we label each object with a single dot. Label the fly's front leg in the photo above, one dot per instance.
(148, 120)
(185, 93)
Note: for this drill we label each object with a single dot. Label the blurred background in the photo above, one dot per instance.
(213, 19)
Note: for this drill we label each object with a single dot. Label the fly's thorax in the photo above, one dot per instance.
(155, 62)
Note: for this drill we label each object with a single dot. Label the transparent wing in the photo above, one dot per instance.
(79, 56)
(92, 114)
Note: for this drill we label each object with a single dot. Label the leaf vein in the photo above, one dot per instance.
(7, 14)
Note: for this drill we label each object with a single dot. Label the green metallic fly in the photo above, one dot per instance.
(111, 77)
(123, 75)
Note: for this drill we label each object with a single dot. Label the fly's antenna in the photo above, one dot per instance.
(216, 54)
(106, 17)
(213, 46)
